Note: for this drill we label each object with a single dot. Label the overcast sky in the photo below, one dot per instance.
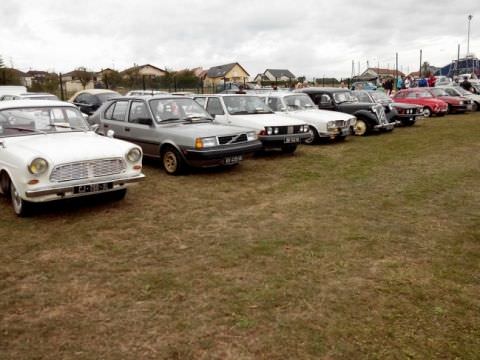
(311, 38)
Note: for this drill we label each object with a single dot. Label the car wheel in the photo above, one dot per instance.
(408, 122)
(289, 148)
(118, 195)
(172, 161)
(475, 107)
(21, 207)
(427, 112)
(449, 109)
(313, 139)
(361, 127)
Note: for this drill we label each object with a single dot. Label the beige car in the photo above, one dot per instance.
(88, 101)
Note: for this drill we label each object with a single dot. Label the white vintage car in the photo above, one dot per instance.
(48, 152)
(250, 111)
(323, 123)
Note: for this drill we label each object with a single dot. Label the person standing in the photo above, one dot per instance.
(431, 81)
(467, 85)
(400, 83)
(407, 83)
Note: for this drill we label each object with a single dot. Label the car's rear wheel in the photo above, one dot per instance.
(313, 139)
(361, 127)
(475, 107)
(427, 112)
(21, 207)
(172, 161)
(289, 148)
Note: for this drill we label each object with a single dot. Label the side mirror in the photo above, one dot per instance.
(110, 133)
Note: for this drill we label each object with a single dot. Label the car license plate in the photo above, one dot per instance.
(233, 159)
(292, 140)
(85, 189)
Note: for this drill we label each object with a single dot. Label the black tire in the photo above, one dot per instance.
(21, 207)
(289, 148)
(172, 161)
(314, 138)
(408, 122)
(361, 127)
(449, 110)
(427, 112)
(118, 195)
(475, 107)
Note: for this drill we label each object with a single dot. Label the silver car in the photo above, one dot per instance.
(175, 129)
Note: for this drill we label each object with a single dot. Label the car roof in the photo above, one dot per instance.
(149, 97)
(16, 104)
(326, 89)
(95, 91)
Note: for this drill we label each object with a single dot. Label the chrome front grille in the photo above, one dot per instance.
(341, 123)
(232, 139)
(382, 118)
(87, 169)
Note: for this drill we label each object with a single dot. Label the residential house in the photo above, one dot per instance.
(144, 70)
(232, 72)
(378, 73)
(278, 75)
(34, 76)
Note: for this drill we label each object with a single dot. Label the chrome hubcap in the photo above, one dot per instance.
(360, 128)
(170, 161)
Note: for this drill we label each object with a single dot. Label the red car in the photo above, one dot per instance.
(422, 97)
(456, 104)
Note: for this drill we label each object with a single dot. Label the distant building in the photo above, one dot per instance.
(467, 65)
(35, 76)
(232, 72)
(144, 70)
(278, 75)
(378, 73)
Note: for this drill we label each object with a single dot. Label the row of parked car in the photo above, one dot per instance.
(49, 150)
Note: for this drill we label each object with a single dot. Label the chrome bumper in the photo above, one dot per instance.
(388, 125)
(62, 190)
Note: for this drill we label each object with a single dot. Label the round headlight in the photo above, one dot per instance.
(38, 166)
(269, 130)
(134, 155)
(275, 130)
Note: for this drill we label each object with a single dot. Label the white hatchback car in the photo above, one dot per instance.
(323, 123)
(48, 152)
(250, 111)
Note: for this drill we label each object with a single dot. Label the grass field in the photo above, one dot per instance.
(367, 249)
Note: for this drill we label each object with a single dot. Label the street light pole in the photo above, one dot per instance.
(468, 37)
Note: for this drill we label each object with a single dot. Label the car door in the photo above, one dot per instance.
(141, 129)
(114, 118)
(214, 107)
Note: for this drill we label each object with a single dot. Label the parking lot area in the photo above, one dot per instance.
(365, 248)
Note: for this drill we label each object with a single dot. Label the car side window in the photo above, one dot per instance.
(201, 101)
(109, 112)
(120, 110)
(325, 99)
(275, 104)
(214, 107)
(138, 113)
(82, 99)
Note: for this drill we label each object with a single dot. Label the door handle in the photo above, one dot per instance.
(127, 129)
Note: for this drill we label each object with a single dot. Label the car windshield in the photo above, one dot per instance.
(461, 90)
(107, 96)
(438, 92)
(362, 96)
(299, 102)
(237, 105)
(178, 109)
(424, 94)
(344, 96)
(21, 121)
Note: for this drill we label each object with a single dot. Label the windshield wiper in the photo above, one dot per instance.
(67, 127)
(195, 118)
(24, 129)
(170, 119)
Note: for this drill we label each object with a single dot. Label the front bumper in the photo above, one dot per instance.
(60, 191)
(283, 139)
(387, 126)
(337, 132)
(217, 155)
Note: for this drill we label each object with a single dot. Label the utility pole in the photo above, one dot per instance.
(396, 70)
(468, 36)
(420, 69)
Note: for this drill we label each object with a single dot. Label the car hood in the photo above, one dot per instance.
(405, 105)
(318, 115)
(259, 121)
(204, 129)
(58, 148)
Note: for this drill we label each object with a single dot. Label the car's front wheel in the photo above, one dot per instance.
(427, 112)
(21, 207)
(361, 127)
(313, 139)
(172, 161)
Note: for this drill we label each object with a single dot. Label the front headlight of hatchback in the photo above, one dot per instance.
(251, 135)
(38, 166)
(201, 143)
(330, 124)
(353, 121)
(134, 155)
